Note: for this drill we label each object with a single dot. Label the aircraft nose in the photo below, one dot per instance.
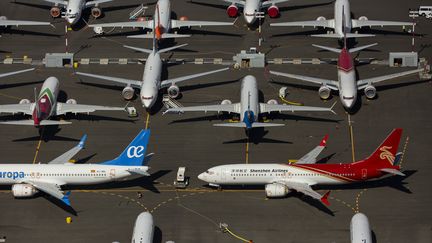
(202, 176)
(348, 103)
(147, 103)
(249, 19)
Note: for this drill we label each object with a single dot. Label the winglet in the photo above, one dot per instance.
(324, 199)
(82, 141)
(65, 198)
(323, 142)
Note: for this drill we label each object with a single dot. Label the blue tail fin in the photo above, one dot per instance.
(134, 153)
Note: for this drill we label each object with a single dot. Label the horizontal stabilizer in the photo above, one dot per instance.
(324, 199)
(348, 35)
(138, 49)
(254, 125)
(265, 124)
(352, 50)
(234, 124)
(31, 122)
(392, 171)
(163, 36)
(328, 48)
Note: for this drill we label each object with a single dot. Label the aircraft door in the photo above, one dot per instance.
(364, 173)
(223, 174)
(112, 173)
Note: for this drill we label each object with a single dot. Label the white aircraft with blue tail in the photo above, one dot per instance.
(29, 179)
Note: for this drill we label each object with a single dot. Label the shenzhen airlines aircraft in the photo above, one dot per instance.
(151, 80)
(162, 22)
(279, 179)
(73, 9)
(46, 106)
(342, 22)
(29, 179)
(347, 85)
(249, 107)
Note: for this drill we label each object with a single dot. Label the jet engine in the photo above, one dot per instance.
(55, 12)
(183, 18)
(276, 190)
(24, 101)
(3, 18)
(232, 11)
(370, 92)
(71, 101)
(226, 102)
(128, 93)
(363, 18)
(96, 12)
(173, 91)
(273, 11)
(321, 18)
(324, 92)
(272, 102)
(23, 190)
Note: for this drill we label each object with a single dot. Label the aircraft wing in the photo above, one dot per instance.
(332, 84)
(132, 83)
(307, 190)
(190, 23)
(356, 23)
(328, 23)
(52, 189)
(15, 72)
(272, 2)
(58, 2)
(17, 108)
(64, 158)
(96, 2)
(169, 82)
(129, 24)
(63, 108)
(311, 157)
(361, 84)
(7, 22)
(230, 108)
(264, 108)
(236, 2)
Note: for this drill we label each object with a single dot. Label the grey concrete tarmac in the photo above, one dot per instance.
(107, 214)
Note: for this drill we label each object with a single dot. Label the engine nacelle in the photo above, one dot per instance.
(24, 101)
(183, 18)
(71, 101)
(128, 93)
(363, 18)
(3, 18)
(55, 12)
(173, 91)
(324, 92)
(232, 11)
(370, 92)
(226, 102)
(276, 190)
(321, 18)
(273, 11)
(23, 190)
(96, 12)
(272, 102)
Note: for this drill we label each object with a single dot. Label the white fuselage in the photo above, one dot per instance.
(46, 102)
(360, 229)
(162, 15)
(143, 229)
(151, 80)
(347, 88)
(250, 9)
(65, 174)
(74, 10)
(342, 17)
(262, 174)
(249, 97)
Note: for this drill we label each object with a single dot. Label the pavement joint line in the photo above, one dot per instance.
(10, 96)
(38, 145)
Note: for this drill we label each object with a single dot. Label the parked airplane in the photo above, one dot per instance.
(251, 8)
(249, 107)
(143, 229)
(2, 75)
(360, 229)
(279, 179)
(29, 179)
(73, 9)
(46, 106)
(342, 22)
(162, 22)
(347, 85)
(151, 80)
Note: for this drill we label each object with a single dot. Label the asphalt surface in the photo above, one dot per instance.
(398, 208)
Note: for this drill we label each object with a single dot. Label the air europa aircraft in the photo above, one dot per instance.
(279, 179)
(29, 179)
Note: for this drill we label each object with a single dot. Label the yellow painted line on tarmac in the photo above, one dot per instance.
(357, 209)
(10, 96)
(403, 152)
(351, 137)
(247, 152)
(147, 121)
(38, 146)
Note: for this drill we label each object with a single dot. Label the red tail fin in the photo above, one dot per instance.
(385, 154)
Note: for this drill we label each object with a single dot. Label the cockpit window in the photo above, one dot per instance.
(348, 97)
(210, 172)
